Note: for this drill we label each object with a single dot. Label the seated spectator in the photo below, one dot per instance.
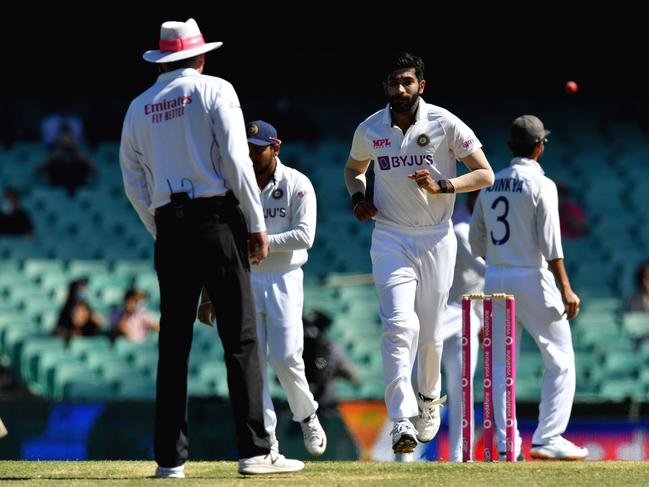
(66, 165)
(639, 301)
(55, 124)
(572, 217)
(13, 219)
(133, 321)
(77, 317)
(324, 361)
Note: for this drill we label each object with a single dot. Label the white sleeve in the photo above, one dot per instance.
(236, 168)
(303, 219)
(359, 151)
(135, 184)
(461, 139)
(478, 231)
(475, 263)
(548, 230)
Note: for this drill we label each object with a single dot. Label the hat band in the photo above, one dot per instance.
(182, 44)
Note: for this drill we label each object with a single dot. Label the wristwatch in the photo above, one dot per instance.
(446, 186)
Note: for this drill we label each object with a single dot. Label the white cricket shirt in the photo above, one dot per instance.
(433, 142)
(516, 221)
(289, 204)
(186, 134)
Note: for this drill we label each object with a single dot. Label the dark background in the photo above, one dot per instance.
(89, 60)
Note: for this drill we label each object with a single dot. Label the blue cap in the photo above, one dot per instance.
(261, 133)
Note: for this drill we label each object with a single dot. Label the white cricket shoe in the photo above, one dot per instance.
(403, 437)
(429, 417)
(315, 439)
(170, 472)
(273, 462)
(558, 448)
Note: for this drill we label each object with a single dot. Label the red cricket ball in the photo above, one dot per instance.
(571, 87)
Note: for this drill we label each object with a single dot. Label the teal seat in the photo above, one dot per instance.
(136, 388)
(85, 268)
(89, 390)
(619, 390)
(32, 351)
(41, 267)
(636, 324)
(85, 346)
(69, 372)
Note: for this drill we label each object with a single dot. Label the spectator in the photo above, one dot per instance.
(133, 321)
(13, 219)
(77, 317)
(55, 124)
(639, 301)
(324, 361)
(66, 165)
(572, 217)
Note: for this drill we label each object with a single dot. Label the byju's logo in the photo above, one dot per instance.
(384, 163)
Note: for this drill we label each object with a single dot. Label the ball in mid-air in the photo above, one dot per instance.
(571, 87)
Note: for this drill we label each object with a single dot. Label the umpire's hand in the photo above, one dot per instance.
(207, 314)
(258, 247)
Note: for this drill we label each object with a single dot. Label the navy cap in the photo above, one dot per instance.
(261, 133)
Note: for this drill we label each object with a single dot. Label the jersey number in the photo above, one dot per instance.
(502, 218)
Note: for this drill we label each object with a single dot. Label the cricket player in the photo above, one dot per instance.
(415, 146)
(516, 226)
(289, 204)
(468, 279)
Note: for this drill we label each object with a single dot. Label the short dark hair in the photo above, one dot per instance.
(522, 149)
(405, 60)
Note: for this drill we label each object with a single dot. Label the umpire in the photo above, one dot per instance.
(187, 173)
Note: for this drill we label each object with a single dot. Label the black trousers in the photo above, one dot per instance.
(200, 243)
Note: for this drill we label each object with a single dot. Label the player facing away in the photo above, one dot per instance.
(468, 278)
(515, 226)
(414, 146)
(289, 204)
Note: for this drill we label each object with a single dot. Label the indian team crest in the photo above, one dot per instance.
(252, 130)
(423, 140)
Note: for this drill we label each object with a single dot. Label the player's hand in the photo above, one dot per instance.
(364, 210)
(572, 301)
(425, 181)
(258, 247)
(207, 314)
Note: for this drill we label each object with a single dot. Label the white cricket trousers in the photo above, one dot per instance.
(279, 299)
(539, 309)
(452, 361)
(413, 272)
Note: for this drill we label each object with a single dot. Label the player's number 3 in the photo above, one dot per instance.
(501, 218)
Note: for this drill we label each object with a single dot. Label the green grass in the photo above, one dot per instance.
(322, 474)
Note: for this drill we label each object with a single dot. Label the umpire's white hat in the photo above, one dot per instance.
(179, 40)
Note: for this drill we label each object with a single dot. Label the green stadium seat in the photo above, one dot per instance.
(85, 346)
(619, 390)
(89, 390)
(42, 267)
(636, 324)
(136, 388)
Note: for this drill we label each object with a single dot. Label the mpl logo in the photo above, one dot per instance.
(381, 143)
(467, 143)
(384, 162)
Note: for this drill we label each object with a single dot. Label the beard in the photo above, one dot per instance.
(403, 104)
